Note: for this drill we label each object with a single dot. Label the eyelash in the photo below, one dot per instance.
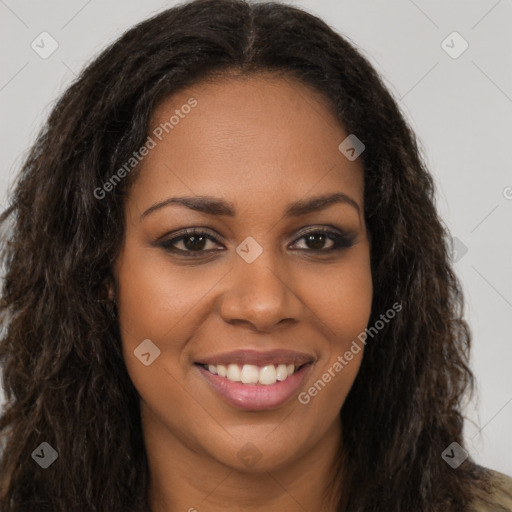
(341, 241)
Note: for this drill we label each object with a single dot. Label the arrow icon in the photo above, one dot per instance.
(249, 252)
(249, 455)
(454, 455)
(454, 45)
(147, 352)
(351, 147)
(44, 45)
(44, 455)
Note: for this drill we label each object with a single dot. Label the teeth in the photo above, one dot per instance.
(282, 372)
(233, 373)
(268, 375)
(252, 374)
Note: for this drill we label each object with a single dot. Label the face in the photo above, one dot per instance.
(252, 277)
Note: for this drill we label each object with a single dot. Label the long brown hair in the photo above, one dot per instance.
(63, 371)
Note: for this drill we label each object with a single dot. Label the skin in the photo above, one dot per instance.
(280, 147)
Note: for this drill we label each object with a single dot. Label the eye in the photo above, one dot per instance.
(195, 242)
(315, 240)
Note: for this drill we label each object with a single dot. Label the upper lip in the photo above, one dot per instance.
(255, 357)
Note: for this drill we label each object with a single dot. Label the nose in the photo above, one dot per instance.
(260, 295)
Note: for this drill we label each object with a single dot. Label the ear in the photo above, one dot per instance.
(110, 289)
(107, 291)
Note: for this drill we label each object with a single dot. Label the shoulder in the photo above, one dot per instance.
(499, 493)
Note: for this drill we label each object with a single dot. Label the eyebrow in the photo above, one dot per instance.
(214, 206)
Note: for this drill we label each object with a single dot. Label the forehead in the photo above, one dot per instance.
(261, 137)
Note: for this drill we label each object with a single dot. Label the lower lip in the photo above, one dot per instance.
(256, 397)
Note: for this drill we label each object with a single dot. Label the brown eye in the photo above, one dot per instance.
(315, 241)
(191, 241)
(194, 242)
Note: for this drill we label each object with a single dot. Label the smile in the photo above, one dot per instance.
(252, 380)
(252, 374)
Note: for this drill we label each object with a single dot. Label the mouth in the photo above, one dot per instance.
(249, 380)
(251, 374)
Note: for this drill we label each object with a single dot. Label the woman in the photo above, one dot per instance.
(227, 286)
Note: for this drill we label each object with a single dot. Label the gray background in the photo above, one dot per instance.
(460, 109)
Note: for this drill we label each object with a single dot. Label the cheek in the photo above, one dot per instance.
(155, 298)
(342, 305)
(153, 304)
(342, 299)
(166, 304)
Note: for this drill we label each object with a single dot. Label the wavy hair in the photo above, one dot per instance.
(64, 375)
